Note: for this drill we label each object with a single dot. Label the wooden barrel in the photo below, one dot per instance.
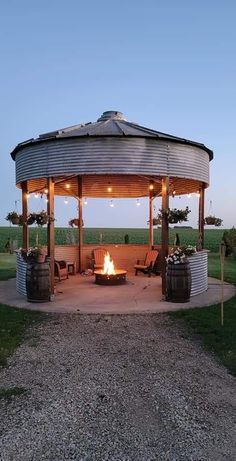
(178, 281)
(38, 282)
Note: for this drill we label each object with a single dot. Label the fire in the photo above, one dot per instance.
(108, 266)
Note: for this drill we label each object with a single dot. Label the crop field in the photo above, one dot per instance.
(65, 235)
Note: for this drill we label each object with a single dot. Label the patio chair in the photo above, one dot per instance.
(61, 270)
(146, 266)
(99, 254)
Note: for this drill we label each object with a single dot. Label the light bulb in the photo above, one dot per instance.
(174, 192)
(151, 186)
(28, 195)
(111, 204)
(138, 202)
(66, 201)
(46, 200)
(189, 195)
(85, 201)
(67, 186)
(46, 191)
(109, 189)
(36, 195)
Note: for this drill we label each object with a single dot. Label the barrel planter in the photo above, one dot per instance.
(178, 280)
(38, 282)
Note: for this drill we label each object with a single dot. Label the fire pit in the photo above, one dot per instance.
(108, 275)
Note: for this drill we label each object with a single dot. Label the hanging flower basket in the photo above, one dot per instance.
(41, 218)
(31, 219)
(75, 222)
(174, 216)
(213, 221)
(13, 217)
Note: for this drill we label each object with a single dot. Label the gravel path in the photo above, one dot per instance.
(117, 388)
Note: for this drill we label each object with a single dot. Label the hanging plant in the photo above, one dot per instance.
(13, 217)
(31, 219)
(210, 219)
(75, 222)
(213, 221)
(41, 218)
(174, 216)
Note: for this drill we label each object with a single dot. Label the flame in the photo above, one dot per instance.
(108, 266)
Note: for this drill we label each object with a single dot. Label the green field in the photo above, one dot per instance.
(92, 235)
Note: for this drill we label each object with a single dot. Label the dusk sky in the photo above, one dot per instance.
(167, 65)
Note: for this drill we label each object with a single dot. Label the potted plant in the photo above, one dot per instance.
(41, 218)
(13, 217)
(36, 254)
(188, 250)
(31, 219)
(175, 215)
(178, 277)
(213, 221)
(75, 222)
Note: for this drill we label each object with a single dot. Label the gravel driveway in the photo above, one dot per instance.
(116, 388)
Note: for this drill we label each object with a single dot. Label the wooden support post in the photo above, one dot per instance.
(51, 231)
(164, 231)
(151, 242)
(201, 218)
(80, 209)
(25, 215)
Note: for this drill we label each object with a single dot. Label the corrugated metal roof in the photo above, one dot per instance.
(111, 123)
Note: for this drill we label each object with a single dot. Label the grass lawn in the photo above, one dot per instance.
(13, 325)
(229, 270)
(7, 266)
(205, 322)
(13, 322)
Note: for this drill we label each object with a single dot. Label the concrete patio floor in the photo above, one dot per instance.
(139, 295)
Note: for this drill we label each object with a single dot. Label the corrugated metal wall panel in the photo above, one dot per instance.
(21, 267)
(137, 156)
(199, 272)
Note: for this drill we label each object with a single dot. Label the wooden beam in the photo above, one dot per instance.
(164, 231)
(201, 216)
(25, 215)
(51, 232)
(151, 219)
(80, 210)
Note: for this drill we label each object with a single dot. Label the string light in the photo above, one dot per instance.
(173, 193)
(66, 201)
(67, 186)
(36, 195)
(189, 195)
(46, 191)
(28, 195)
(85, 201)
(109, 189)
(112, 204)
(151, 186)
(138, 202)
(46, 200)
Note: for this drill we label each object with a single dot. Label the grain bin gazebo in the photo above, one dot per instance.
(111, 158)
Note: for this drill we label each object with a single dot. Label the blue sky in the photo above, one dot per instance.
(165, 64)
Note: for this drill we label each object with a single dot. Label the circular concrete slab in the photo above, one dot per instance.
(140, 294)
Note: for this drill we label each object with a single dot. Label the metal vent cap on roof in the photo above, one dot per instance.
(111, 114)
